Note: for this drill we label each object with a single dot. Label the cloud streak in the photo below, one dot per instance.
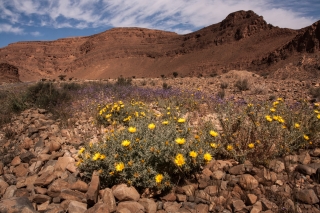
(7, 28)
(181, 16)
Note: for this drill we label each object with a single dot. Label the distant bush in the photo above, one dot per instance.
(62, 77)
(221, 94)
(162, 76)
(71, 86)
(242, 84)
(121, 81)
(166, 86)
(175, 74)
(45, 95)
(224, 85)
(315, 92)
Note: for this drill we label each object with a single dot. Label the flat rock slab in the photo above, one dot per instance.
(16, 204)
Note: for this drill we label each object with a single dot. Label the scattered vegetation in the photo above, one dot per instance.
(175, 74)
(223, 85)
(242, 84)
(121, 81)
(62, 77)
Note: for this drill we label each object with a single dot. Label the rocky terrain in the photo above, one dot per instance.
(242, 41)
(38, 174)
(9, 73)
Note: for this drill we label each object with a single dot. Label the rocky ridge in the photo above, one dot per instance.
(242, 41)
(38, 174)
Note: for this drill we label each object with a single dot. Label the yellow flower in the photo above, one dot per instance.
(168, 113)
(102, 157)
(193, 154)
(132, 129)
(275, 103)
(207, 157)
(81, 150)
(79, 162)
(268, 118)
(251, 145)
(143, 114)
(125, 143)
(306, 137)
(213, 145)
(108, 116)
(179, 160)
(119, 167)
(96, 156)
(317, 104)
(196, 137)
(229, 147)
(272, 109)
(296, 125)
(180, 141)
(151, 126)
(250, 105)
(159, 178)
(318, 116)
(181, 120)
(165, 122)
(213, 133)
(280, 99)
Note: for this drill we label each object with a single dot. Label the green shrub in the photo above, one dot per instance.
(45, 95)
(154, 150)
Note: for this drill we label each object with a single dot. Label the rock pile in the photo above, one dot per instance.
(38, 174)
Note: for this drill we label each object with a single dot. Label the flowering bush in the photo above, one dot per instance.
(150, 149)
(152, 145)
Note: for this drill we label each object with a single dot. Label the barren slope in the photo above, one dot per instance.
(241, 41)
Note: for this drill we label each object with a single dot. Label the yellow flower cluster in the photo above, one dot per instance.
(119, 167)
(193, 154)
(125, 143)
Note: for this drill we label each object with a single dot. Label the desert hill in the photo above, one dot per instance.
(242, 41)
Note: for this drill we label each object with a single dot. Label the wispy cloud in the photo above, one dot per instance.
(180, 16)
(36, 33)
(7, 28)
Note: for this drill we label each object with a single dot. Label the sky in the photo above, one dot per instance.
(43, 20)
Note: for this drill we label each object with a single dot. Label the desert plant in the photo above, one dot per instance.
(221, 94)
(45, 95)
(62, 77)
(71, 86)
(121, 81)
(242, 84)
(315, 92)
(165, 86)
(223, 85)
(175, 74)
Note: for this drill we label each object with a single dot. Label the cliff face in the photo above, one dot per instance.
(8, 73)
(243, 40)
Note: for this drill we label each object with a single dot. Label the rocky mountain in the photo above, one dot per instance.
(8, 73)
(243, 40)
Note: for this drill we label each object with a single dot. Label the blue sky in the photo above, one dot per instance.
(29, 20)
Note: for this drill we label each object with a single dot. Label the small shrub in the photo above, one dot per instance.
(162, 76)
(259, 89)
(165, 86)
(221, 94)
(143, 83)
(224, 85)
(175, 74)
(214, 74)
(71, 86)
(62, 77)
(121, 81)
(242, 84)
(45, 95)
(152, 83)
(315, 92)
(9, 133)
